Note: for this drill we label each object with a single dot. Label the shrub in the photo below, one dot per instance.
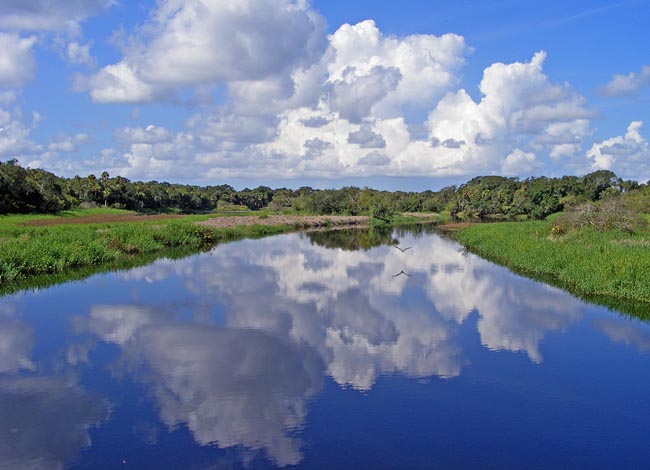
(610, 214)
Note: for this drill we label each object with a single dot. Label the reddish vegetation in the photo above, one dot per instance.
(292, 220)
(99, 219)
(231, 221)
(455, 226)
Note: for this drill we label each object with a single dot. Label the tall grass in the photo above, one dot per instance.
(30, 251)
(611, 263)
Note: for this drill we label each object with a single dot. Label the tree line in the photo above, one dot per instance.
(26, 190)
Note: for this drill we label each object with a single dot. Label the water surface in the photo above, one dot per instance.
(321, 350)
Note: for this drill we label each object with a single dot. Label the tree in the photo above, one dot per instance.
(381, 209)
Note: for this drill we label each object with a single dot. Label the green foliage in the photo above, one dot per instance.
(24, 191)
(587, 262)
(381, 209)
(485, 197)
(27, 251)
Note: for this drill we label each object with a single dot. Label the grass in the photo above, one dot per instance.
(32, 256)
(28, 251)
(605, 267)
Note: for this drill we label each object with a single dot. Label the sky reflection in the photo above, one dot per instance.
(235, 345)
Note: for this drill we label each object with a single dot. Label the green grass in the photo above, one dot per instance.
(603, 267)
(28, 251)
(43, 255)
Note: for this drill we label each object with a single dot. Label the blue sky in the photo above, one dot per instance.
(408, 95)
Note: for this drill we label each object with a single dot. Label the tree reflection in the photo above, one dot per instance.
(352, 239)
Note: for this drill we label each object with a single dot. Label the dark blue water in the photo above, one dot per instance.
(282, 352)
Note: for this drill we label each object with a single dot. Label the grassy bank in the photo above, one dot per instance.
(38, 250)
(601, 266)
(27, 251)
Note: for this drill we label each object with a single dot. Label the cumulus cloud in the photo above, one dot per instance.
(117, 83)
(314, 121)
(628, 85)
(519, 162)
(319, 110)
(628, 155)
(316, 147)
(67, 143)
(374, 158)
(79, 54)
(138, 135)
(521, 115)
(366, 138)
(17, 65)
(196, 43)
(49, 15)
(15, 136)
(520, 106)
(409, 71)
(354, 95)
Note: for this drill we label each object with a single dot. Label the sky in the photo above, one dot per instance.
(408, 95)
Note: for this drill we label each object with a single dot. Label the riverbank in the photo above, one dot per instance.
(36, 246)
(33, 245)
(607, 266)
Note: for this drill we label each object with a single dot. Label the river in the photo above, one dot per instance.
(321, 350)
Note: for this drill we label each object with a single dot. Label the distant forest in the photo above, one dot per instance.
(26, 190)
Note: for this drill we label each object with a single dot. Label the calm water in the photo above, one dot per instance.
(313, 351)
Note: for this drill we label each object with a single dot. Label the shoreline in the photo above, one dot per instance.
(32, 251)
(599, 267)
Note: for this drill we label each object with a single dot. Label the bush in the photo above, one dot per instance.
(611, 214)
(381, 209)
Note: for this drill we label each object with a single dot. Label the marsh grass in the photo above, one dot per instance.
(608, 264)
(27, 251)
(42, 254)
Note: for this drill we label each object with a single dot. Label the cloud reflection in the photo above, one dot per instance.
(229, 386)
(625, 331)
(296, 311)
(45, 421)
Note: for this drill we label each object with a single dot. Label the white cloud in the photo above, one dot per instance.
(628, 85)
(354, 95)
(198, 43)
(15, 136)
(67, 144)
(520, 163)
(520, 107)
(522, 114)
(79, 54)
(138, 135)
(17, 65)
(345, 111)
(366, 138)
(49, 15)
(118, 84)
(386, 74)
(628, 156)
